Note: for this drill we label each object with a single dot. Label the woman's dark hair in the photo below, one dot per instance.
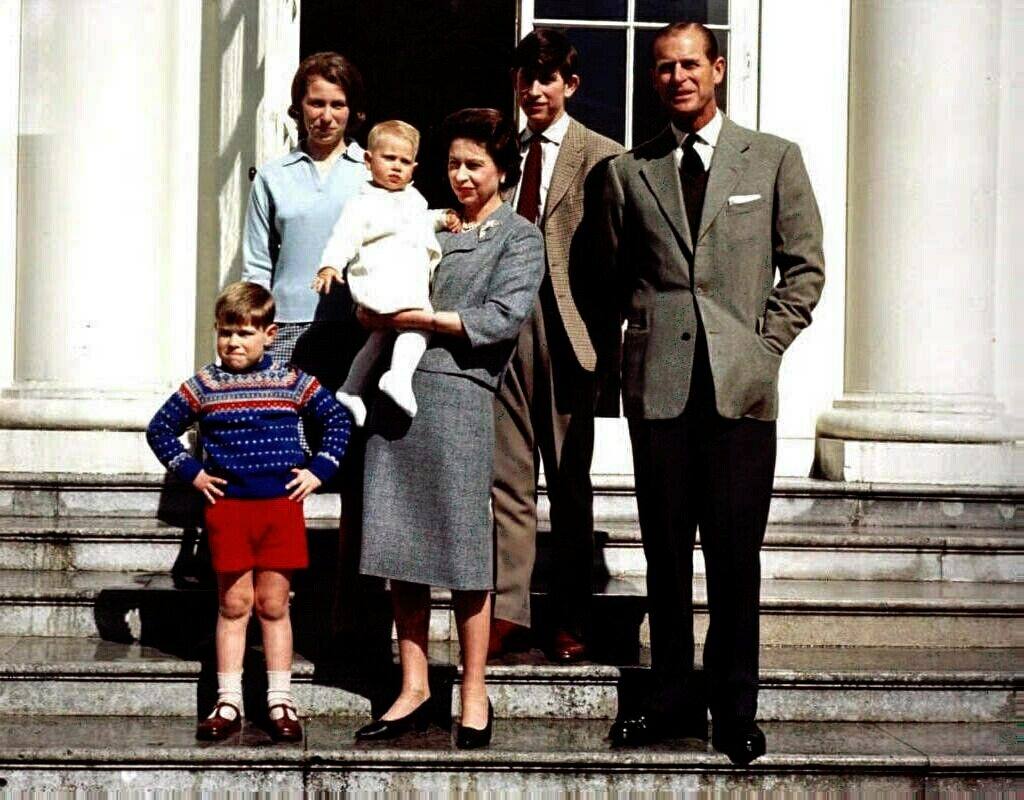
(487, 127)
(333, 68)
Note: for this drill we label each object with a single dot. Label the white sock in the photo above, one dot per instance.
(229, 690)
(354, 403)
(279, 690)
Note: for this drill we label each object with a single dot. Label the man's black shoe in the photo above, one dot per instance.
(742, 742)
(647, 728)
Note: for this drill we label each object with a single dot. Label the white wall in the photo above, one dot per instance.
(10, 49)
(804, 87)
(1009, 377)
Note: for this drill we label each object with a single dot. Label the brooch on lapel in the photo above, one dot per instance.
(488, 225)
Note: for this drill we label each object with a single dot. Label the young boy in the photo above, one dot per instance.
(563, 371)
(384, 240)
(254, 479)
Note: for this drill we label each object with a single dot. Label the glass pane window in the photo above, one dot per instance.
(581, 9)
(710, 12)
(602, 97)
(616, 95)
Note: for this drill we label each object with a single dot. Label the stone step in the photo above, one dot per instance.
(803, 501)
(80, 676)
(148, 607)
(55, 755)
(797, 684)
(828, 613)
(790, 551)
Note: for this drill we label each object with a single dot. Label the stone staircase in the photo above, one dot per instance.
(892, 660)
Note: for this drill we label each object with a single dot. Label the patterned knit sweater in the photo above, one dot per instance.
(249, 422)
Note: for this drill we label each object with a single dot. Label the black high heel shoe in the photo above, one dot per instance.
(381, 729)
(471, 738)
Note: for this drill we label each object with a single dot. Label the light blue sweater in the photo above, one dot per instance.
(289, 220)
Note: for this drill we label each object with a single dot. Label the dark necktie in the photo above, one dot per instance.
(529, 190)
(695, 182)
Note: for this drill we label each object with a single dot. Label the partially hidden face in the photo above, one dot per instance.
(391, 161)
(474, 176)
(684, 78)
(542, 97)
(241, 347)
(325, 113)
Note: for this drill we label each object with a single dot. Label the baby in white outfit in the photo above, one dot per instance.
(384, 242)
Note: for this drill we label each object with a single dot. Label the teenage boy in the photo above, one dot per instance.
(254, 479)
(553, 388)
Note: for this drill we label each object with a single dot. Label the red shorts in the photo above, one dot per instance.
(265, 534)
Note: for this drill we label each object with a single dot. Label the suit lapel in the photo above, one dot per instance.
(728, 163)
(662, 177)
(568, 163)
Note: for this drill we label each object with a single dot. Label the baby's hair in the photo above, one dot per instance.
(396, 128)
(244, 303)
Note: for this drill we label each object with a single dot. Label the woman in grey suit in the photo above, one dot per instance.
(426, 515)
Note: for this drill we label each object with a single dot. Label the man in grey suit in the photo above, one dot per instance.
(714, 243)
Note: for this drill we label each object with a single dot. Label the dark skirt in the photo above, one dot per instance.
(427, 486)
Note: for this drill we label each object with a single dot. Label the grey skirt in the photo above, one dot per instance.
(427, 486)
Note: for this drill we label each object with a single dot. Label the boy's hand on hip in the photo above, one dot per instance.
(303, 484)
(208, 484)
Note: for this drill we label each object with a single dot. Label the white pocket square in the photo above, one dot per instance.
(739, 199)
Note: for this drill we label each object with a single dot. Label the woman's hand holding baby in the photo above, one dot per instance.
(325, 276)
(304, 484)
(207, 484)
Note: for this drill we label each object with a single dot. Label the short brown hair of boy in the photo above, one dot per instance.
(398, 129)
(543, 52)
(245, 303)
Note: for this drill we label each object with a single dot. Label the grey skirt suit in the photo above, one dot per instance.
(426, 493)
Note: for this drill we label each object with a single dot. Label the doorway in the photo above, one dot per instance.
(421, 60)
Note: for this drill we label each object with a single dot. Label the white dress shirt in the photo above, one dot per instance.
(705, 145)
(550, 144)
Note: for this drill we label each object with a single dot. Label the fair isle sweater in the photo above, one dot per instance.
(249, 422)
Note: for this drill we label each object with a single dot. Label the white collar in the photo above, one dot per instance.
(555, 132)
(709, 133)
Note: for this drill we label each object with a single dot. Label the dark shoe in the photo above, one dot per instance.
(287, 727)
(648, 728)
(566, 648)
(507, 637)
(380, 729)
(472, 738)
(218, 727)
(742, 742)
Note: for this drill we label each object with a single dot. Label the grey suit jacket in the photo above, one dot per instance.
(490, 275)
(758, 270)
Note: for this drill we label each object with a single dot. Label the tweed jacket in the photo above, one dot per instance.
(581, 150)
(759, 220)
(490, 275)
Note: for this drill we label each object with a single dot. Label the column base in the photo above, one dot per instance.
(936, 463)
(80, 431)
(894, 438)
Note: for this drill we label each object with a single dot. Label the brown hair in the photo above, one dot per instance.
(396, 128)
(544, 52)
(244, 303)
(710, 40)
(333, 68)
(487, 127)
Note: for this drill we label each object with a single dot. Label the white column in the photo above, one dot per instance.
(919, 402)
(106, 229)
